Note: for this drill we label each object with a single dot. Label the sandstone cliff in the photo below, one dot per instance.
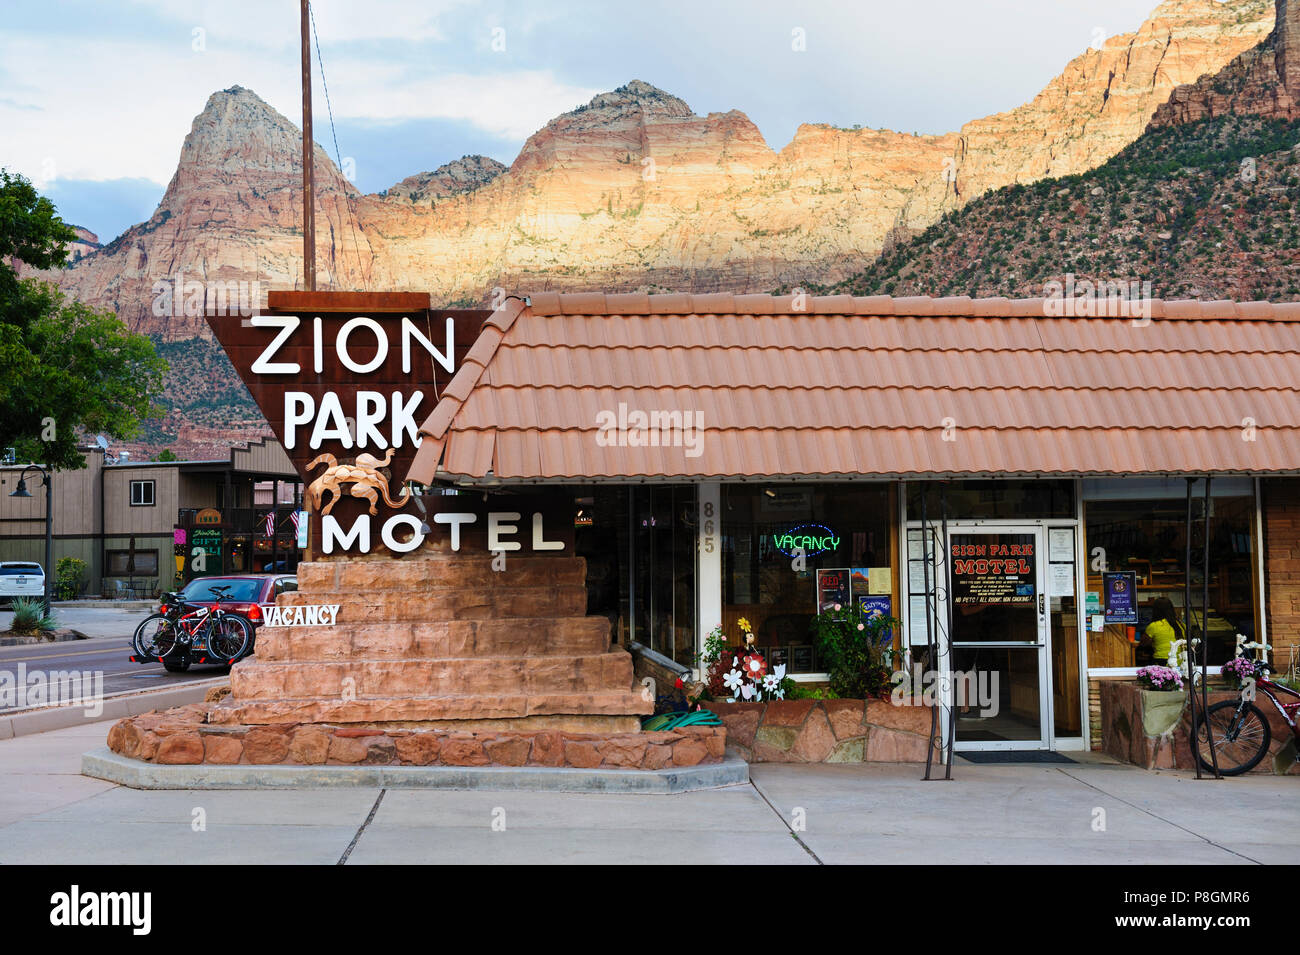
(1199, 206)
(634, 190)
(1263, 81)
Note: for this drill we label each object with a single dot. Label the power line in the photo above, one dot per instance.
(338, 156)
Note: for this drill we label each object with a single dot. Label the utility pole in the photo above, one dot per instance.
(308, 185)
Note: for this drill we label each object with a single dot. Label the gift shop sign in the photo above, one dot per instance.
(345, 379)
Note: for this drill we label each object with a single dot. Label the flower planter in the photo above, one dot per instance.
(1161, 711)
(1150, 728)
(826, 731)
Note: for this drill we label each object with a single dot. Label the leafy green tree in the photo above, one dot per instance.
(66, 369)
(166, 454)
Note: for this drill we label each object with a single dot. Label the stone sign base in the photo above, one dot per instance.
(439, 639)
(826, 731)
(185, 736)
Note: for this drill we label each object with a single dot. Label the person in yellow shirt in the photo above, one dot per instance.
(1163, 630)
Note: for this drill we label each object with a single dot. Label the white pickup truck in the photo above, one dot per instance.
(20, 579)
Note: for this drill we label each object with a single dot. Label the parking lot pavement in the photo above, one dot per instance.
(1090, 812)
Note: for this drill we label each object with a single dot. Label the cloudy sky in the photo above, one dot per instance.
(96, 96)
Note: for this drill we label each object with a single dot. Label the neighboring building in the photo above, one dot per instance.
(136, 523)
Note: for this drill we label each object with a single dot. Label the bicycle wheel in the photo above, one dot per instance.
(228, 637)
(155, 637)
(1240, 739)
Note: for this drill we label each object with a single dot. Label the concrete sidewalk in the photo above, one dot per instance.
(877, 813)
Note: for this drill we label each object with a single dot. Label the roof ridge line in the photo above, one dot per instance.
(641, 303)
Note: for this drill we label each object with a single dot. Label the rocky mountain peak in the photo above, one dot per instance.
(460, 175)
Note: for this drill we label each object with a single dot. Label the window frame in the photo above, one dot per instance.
(125, 555)
(153, 492)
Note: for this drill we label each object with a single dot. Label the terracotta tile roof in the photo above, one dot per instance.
(876, 386)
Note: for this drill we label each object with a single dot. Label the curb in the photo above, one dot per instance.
(115, 708)
(83, 603)
(102, 763)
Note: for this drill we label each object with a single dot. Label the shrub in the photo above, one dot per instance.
(69, 578)
(30, 616)
(857, 653)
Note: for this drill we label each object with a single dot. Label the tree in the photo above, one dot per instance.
(66, 369)
(166, 454)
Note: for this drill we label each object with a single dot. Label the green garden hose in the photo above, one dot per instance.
(672, 721)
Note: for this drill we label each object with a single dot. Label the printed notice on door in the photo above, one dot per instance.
(994, 569)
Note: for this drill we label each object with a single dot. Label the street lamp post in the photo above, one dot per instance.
(21, 491)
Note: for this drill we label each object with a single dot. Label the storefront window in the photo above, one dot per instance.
(600, 536)
(1137, 535)
(844, 531)
(990, 500)
(663, 540)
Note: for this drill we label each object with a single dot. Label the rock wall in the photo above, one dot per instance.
(183, 736)
(826, 731)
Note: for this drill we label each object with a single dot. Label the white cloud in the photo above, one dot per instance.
(127, 108)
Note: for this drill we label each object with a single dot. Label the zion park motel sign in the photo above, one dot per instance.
(344, 379)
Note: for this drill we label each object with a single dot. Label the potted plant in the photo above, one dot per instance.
(1162, 699)
(1238, 670)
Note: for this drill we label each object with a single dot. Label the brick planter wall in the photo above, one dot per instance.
(1124, 738)
(183, 736)
(826, 731)
(1280, 505)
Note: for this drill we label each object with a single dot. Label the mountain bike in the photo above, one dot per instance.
(206, 634)
(1241, 731)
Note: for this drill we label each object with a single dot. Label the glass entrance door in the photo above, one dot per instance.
(998, 601)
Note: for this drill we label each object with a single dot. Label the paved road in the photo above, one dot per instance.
(874, 814)
(105, 655)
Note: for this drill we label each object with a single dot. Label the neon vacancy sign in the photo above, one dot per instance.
(812, 539)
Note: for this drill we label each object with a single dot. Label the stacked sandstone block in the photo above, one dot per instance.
(181, 736)
(444, 641)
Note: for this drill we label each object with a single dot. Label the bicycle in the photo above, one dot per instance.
(173, 636)
(1241, 731)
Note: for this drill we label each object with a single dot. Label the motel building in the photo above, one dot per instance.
(1015, 480)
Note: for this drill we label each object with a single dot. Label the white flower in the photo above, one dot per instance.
(733, 680)
(747, 691)
(771, 682)
(779, 672)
